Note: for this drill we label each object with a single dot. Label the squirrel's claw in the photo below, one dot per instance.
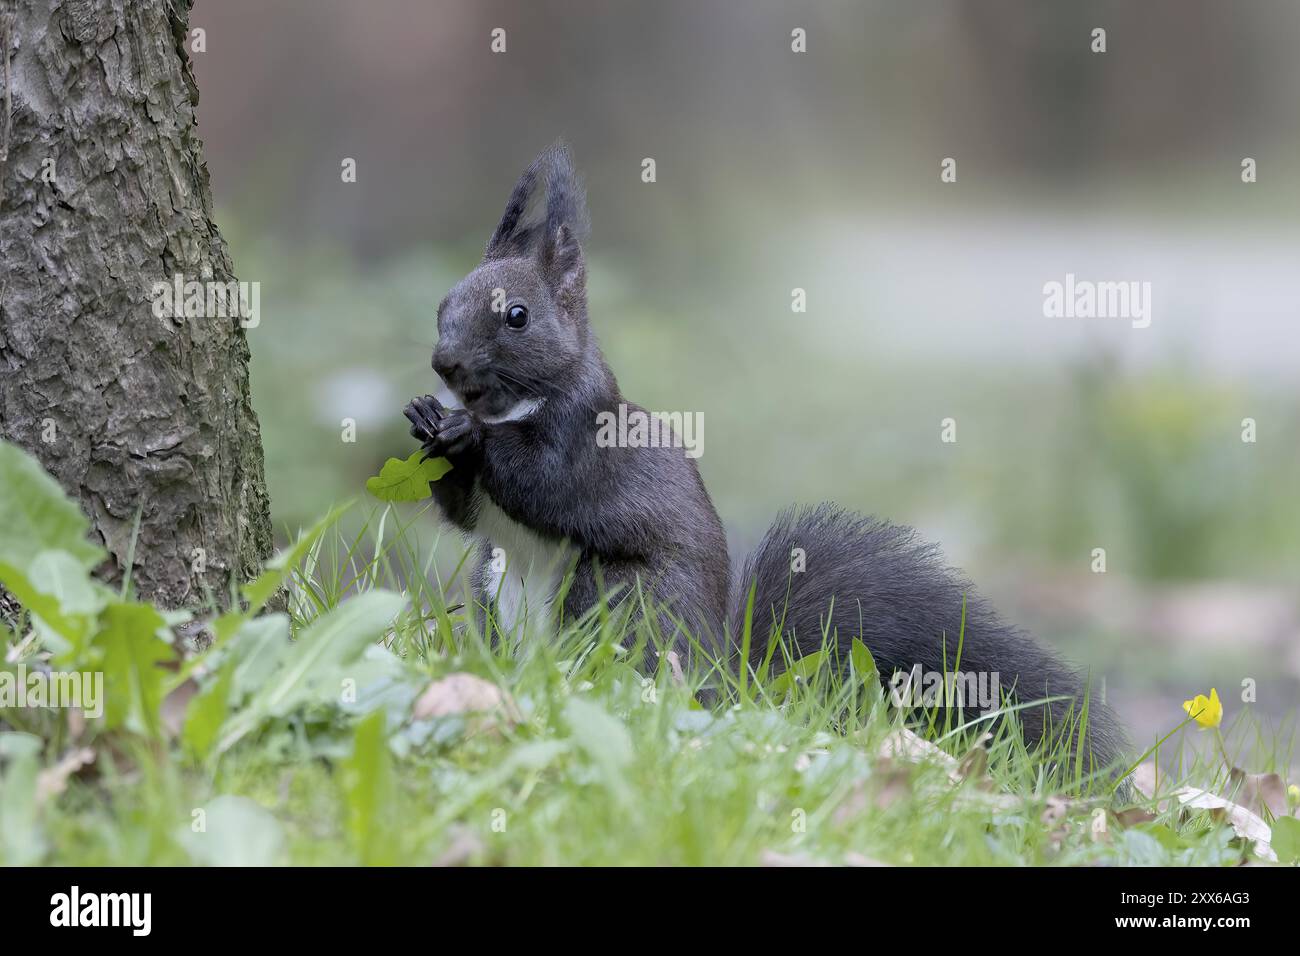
(425, 415)
(440, 431)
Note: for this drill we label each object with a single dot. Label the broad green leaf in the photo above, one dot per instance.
(22, 842)
(207, 712)
(131, 652)
(338, 638)
(80, 597)
(383, 681)
(802, 669)
(367, 780)
(312, 668)
(233, 831)
(250, 656)
(604, 739)
(1286, 839)
(58, 574)
(65, 634)
(1167, 838)
(864, 665)
(36, 515)
(407, 480)
(257, 651)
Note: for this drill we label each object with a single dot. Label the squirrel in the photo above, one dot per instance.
(562, 522)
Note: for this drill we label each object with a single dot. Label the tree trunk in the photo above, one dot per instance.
(103, 196)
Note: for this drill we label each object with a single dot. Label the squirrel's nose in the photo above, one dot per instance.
(448, 368)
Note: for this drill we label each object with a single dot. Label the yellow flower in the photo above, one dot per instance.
(1207, 711)
(1294, 793)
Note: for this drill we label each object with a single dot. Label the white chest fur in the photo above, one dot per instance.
(523, 570)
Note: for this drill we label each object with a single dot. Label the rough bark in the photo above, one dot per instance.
(147, 416)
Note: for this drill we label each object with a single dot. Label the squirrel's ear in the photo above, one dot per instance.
(511, 236)
(519, 230)
(565, 226)
(565, 269)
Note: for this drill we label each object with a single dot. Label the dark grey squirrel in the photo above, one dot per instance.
(544, 500)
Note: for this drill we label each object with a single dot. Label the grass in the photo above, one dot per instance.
(587, 760)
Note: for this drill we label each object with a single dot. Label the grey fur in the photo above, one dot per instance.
(642, 515)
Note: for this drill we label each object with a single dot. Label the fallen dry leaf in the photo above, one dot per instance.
(894, 784)
(1132, 816)
(675, 666)
(902, 744)
(1055, 810)
(1145, 779)
(1258, 792)
(464, 846)
(52, 781)
(464, 694)
(974, 766)
(889, 783)
(1054, 815)
(1245, 823)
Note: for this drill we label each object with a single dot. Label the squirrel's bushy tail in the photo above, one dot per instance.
(876, 581)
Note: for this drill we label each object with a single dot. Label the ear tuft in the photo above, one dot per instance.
(521, 230)
(566, 200)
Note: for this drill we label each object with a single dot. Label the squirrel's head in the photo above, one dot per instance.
(515, 328)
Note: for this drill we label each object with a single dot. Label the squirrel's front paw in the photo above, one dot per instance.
(457, 433)
(424, 415)
(442, 432)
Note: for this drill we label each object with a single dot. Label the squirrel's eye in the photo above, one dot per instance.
(516, 317)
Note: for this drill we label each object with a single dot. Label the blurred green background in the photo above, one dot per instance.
(820, 170)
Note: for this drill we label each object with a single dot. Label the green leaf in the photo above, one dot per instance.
(36, 515)
(336, 639)
(313, 666)
(58, 574)
(131, 652)
(1286, 839)
(1166, 837)
(65, 634)
(233, 831)
(803, 669)
(864, 665)
(21, 841)
(367, 780)
(407, 480)
(605, 741)
(257, 651)
(207, 712)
